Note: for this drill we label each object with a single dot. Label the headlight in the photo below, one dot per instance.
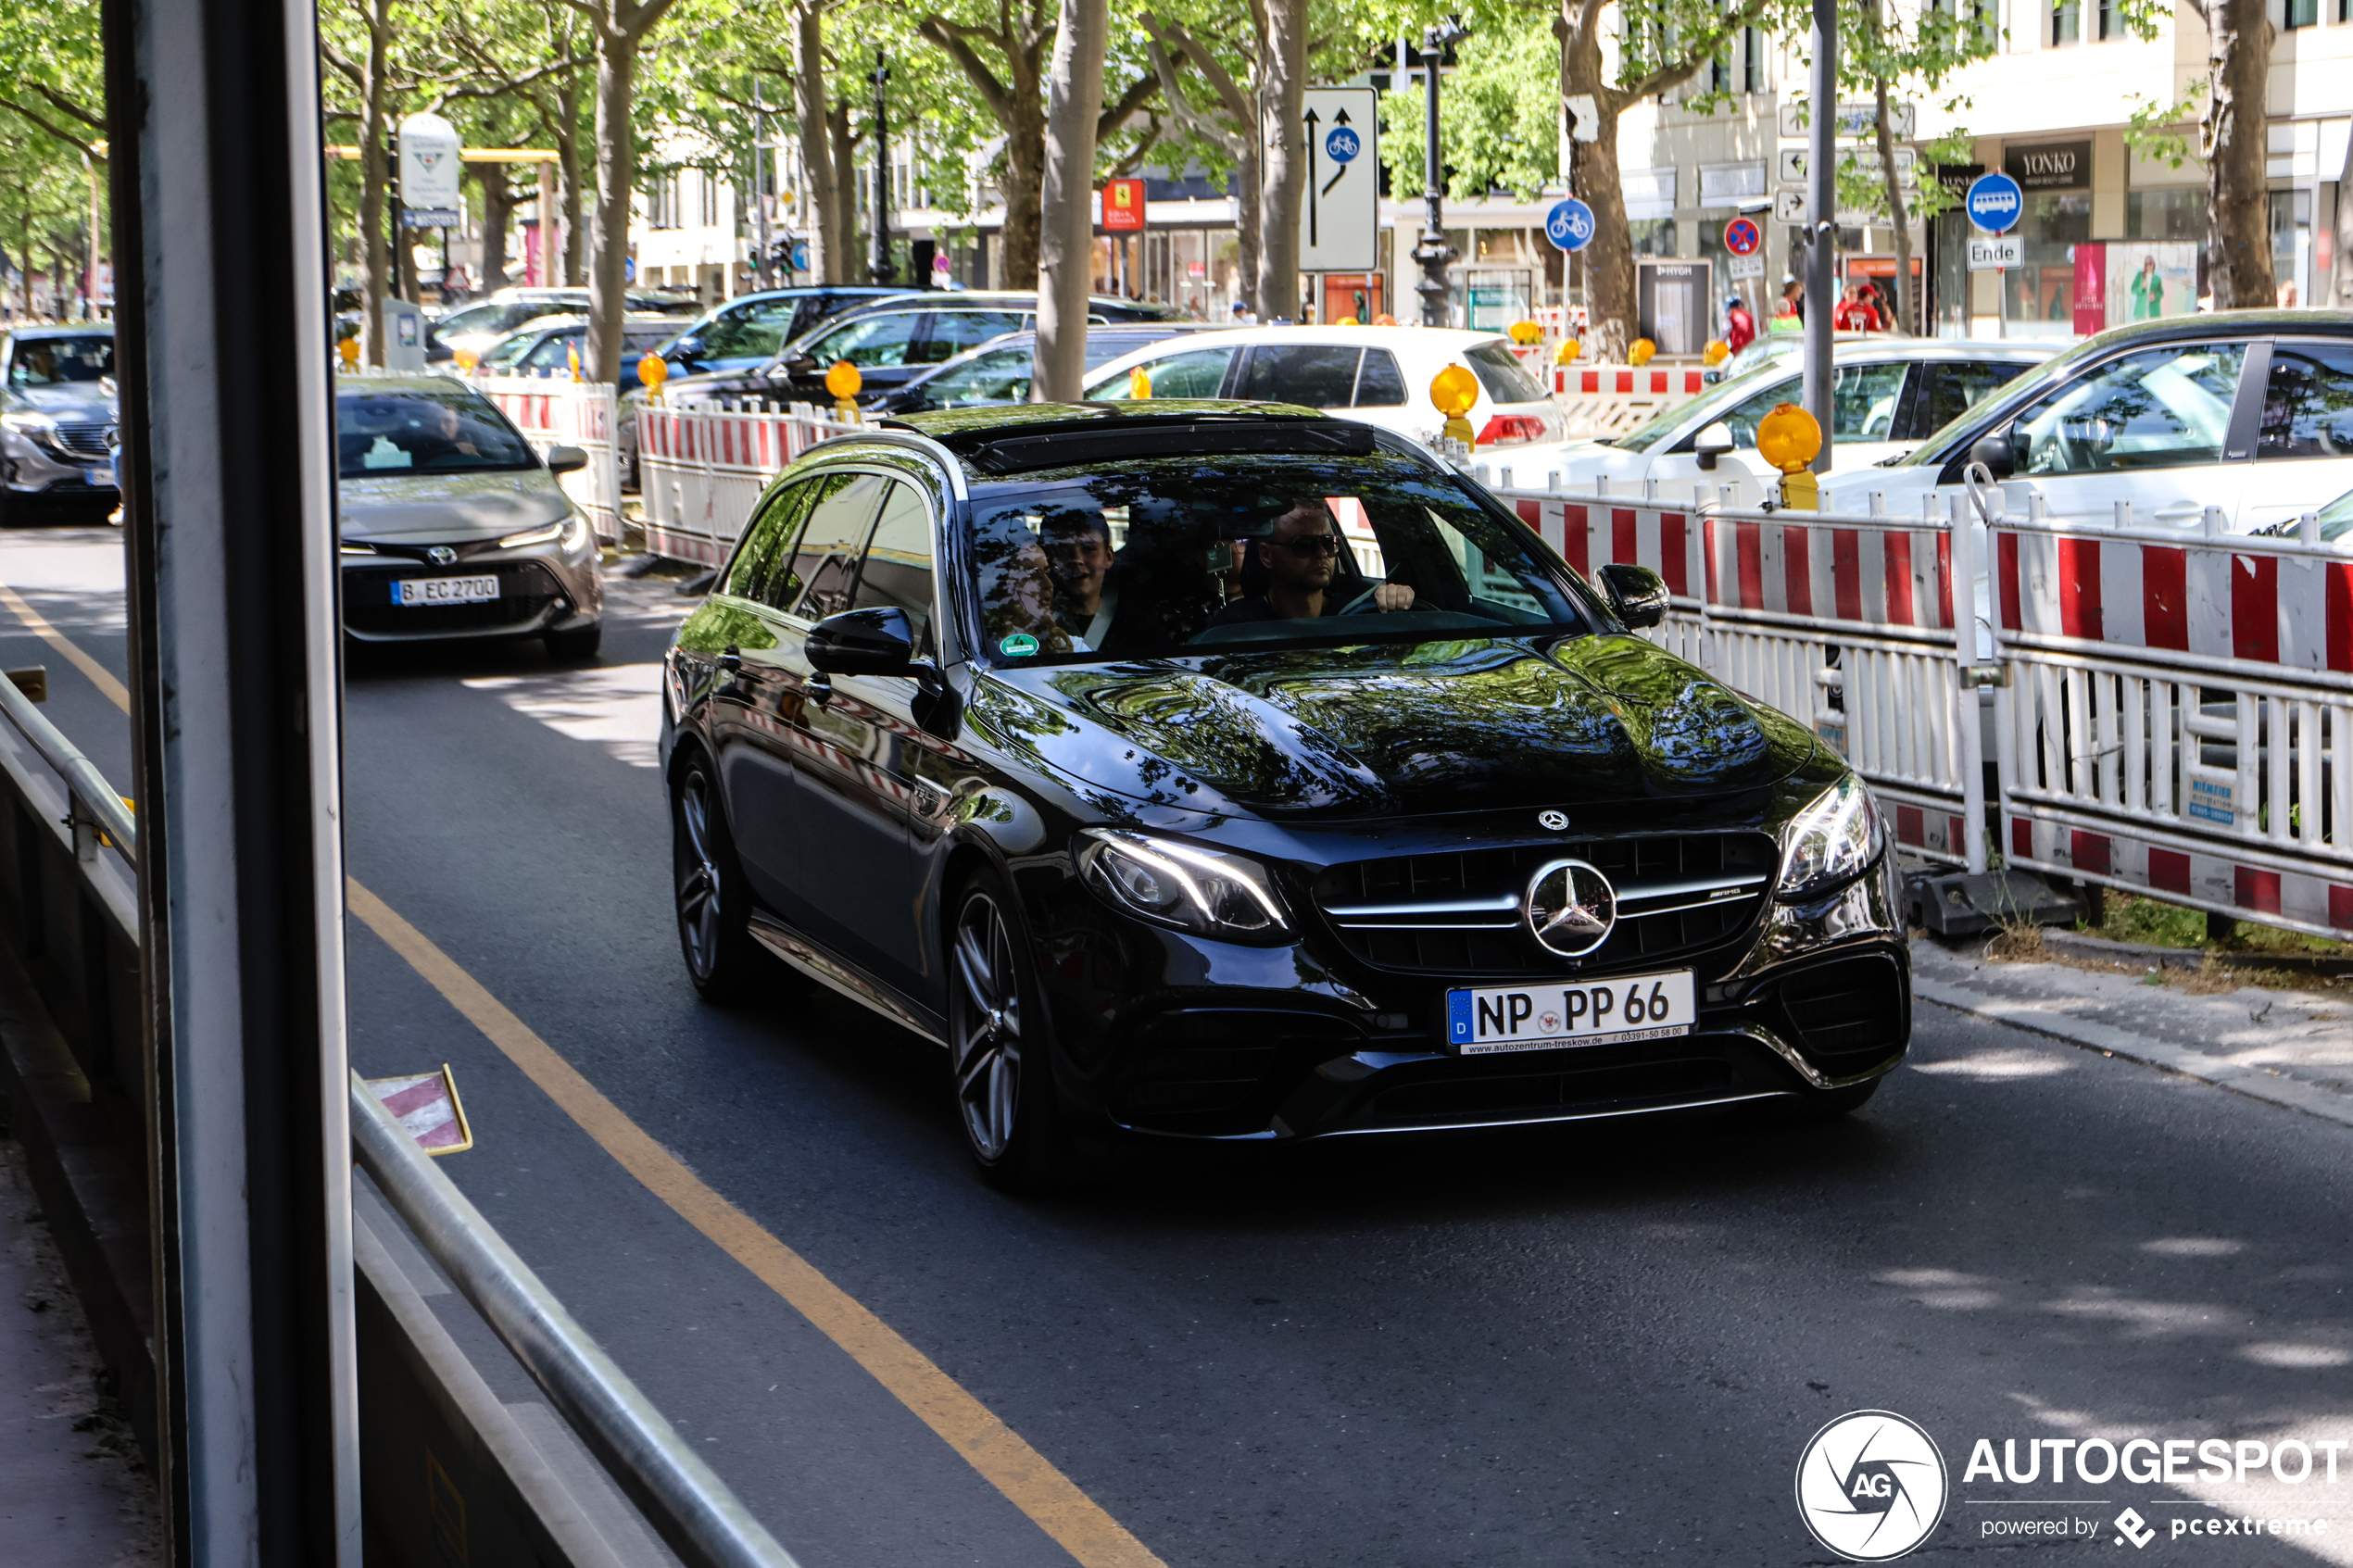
(577, 533)
(1834, 840)
(540, 535)
(1204, 891)
(31, 426)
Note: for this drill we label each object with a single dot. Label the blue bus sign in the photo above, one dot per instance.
(1996, 203)
(1571, 224)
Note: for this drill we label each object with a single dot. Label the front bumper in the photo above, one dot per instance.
(1165, 1036)
(539, 591)
(27, 468)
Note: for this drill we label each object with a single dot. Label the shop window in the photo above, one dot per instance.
(2173, 213)
(1653, 236)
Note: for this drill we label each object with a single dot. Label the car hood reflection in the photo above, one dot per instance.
(1464, 725)
(454, 507)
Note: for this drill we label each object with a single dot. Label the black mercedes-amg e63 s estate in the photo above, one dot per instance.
(1221, 771)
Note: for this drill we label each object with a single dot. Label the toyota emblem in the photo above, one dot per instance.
(1570, 908)
(1554, 822)
(442, 555)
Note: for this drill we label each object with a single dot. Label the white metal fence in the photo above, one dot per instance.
(2170, 712)
(560, 412)
(700, 469)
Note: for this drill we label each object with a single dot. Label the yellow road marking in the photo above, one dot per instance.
(1028, 1480)
(100, 676)
(1027, 1477)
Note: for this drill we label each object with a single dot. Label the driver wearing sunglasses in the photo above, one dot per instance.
(1299, 557)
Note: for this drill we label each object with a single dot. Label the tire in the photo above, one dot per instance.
(575, 647)
(1000, 1062)
(712, 902)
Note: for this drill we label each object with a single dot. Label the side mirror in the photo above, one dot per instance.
(1996, 453)
(566, 459)
(1638, 593)
(798, 364)
(1712, 443)
(864, 642)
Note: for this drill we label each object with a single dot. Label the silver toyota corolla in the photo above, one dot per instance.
(453, 526)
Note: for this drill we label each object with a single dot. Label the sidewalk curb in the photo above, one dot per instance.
(2254, 1083)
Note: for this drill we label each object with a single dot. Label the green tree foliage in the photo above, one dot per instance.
(1499, 115)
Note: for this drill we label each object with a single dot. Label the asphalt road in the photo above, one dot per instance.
(1584, 1347)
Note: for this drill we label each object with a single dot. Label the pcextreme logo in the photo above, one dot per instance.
(1871, 1486)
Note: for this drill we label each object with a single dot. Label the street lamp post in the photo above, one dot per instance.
(1433, 252)
(878, 267)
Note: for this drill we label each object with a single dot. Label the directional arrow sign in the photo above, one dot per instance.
(1338, 222)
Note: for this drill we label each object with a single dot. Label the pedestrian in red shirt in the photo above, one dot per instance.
(1740, 327)
(1855, 313)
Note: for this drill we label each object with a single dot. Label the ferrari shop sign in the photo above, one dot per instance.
(1123, 206)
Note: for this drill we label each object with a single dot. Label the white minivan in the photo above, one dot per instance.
(2247, 411)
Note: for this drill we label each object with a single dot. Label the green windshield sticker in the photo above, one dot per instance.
(1021, 645)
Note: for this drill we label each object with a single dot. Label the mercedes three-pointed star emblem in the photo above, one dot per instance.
(1570, 908)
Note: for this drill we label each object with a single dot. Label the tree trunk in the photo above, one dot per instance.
(375, 247)
(1025, 164)
(497, 214)
(2238, 245)
(1246, 225)
(403, 257)
(1608, 256)
(816, 142)
(1897, 215)
(573, 241)
(1066, 241)
(1284, 169)
(616, 177)
(843, 254)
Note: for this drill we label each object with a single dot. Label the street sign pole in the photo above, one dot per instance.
(1433, 252)
(1822, 218)
(1995, 203)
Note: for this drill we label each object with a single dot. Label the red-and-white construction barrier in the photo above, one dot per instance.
(1607, 399)
(562, 413)
(2178, 716)
(702, 467)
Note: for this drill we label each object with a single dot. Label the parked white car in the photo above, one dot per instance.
(1379, 375)
(1889, 394)
(2248, 411)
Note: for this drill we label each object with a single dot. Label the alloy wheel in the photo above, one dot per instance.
(698, 880)
(988, 1036)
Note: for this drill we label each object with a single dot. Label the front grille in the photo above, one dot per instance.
(1522, 1095)
(83, 439)
(1458, 913)
(525, 590)
(1213, 1071)
(1846, 1015)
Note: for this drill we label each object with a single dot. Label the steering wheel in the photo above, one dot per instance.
(1362, 600)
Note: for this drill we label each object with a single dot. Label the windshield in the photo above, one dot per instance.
(1965, 427)
(1704, 409)
(419, 430)
(1173, 555)
(55, 361)
(1500, 371)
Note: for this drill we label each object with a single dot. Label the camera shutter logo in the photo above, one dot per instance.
(1871, 1486)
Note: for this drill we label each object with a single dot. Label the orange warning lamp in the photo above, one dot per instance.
(1525, 332)
(1640, 355)
(1789, 438)
(652, 370)
(843, 381)
(349, 349)
(466, 359)
(1717, 351)
(1456, 391)
(1567, 352)
(1139, 384)
(572, 354)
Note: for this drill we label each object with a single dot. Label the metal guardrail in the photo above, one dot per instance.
(693, 1509)
(96, 808)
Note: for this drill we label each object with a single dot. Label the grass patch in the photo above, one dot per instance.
(2132, 918)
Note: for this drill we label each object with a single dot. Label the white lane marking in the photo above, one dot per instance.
(616, 707)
